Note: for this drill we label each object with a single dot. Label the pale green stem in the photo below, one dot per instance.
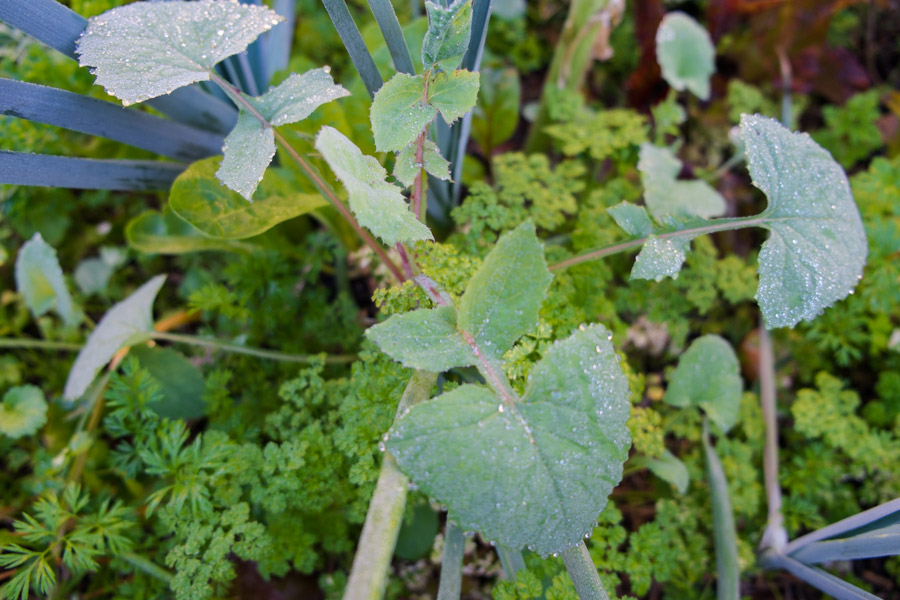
(258, 352)
(368, 576)
(583, 573)
(450, 585)
(512, 561)
(39, 344)
(147, 566)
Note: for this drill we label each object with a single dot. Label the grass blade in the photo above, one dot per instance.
(393, 35)
(353, 43)
(450, 585)
(824, 581)
(882, 542)
(44, 170)
(481, 15)
(279, 38)
(62, 108)
(724, 536)
(846, 525)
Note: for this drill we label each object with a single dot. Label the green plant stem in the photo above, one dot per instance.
(147, 566)
(312, 174)
(368, 576)
(583, 573)
(39, 344)
(405, 260)
(258, 352)
(450, 585)
(724, 535)
(512, 561)
(774, 536)
(718, 225)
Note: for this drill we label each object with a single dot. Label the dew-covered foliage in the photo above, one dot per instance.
(575, 236)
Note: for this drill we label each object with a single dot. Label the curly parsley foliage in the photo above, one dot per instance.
(615, 134)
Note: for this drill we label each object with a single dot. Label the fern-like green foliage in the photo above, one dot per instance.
(614, 133)
(850, 131)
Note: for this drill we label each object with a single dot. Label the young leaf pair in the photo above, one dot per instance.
(532, 471)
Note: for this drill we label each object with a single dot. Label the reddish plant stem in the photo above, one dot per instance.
(405, 260)
(419, 200)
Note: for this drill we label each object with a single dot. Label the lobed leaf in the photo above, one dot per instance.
(399, 112)
(126, 323)
(39, 279)
(534, 473)
(502, 299)
(453, 93)
(179, 43)
(685, 54)
(425, 339)
(406, 168)
(633, 219)
(666, 196)
(447, 38)
(817, 247)
(377, 204)
(23, 411)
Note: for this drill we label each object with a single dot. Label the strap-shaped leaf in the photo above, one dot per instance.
(880, 542)
(126, 323)
(535, 473)
(708, 376)
(179, 43)
(384, 14)
(448, 34)
(399, 112)
(685, 54)
(106, 119)
(354, 44)
(453, 93)
(817, 249)
(165, 232)
(19, 168)
(406, 168)
(377, 204)
(39, 279)
(425, 339)
(199, 198)
(666, 196)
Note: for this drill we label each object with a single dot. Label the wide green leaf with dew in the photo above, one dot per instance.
(453, 93)
(425, 339)
(399, 112)
(447, 38)
(406, 168)
(685, 54)
(661, 257)
(165, 232)
(199, 198)
(126, 323)
(377, 204)
(502, 299)
(817, 247)
(39, 279)
(23, 411)
(148, 49)
(534, 473)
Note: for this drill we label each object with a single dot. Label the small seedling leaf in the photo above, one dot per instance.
(199, 198)
(179, 43)
(633, 219)
(534, 473)
(406, 168)
(666, 196)
(502, 299)
(685, 54)
(39, 279)
(399, 112)
(448, 34)
(126, 323)
(425, 339)
(453, 93)
(817, 247)
(671, 469)
(377, 204)
(661, 257)
(23, 411)
(708, 376)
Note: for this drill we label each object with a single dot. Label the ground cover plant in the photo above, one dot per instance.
(458, 299)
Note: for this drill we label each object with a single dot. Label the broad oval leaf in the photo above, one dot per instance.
(454, 93)
(126, 323)
(377, 204)
(399, 112)
(199, 198)
(817, 249)
(708, 375)
(180, 381)
(685, 54)
(425, 339)
(39, 279)
(448, 34)
(502, 299)
(23, 411)
(534, 473)
(147, 49)
(165, 232)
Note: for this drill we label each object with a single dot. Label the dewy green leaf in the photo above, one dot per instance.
(666, 196)
(126, 323)
(147, 49)
(165, 232)
(817, 249)
(453, 93)
(406, 168)
(448, 34)
(377, 204)
(23, 411)
(502, 299)
(535, 473)
(425, 339)
(661, 257)
(633, 219)
(250, 146)
(39, 279)
(708, 376)
(685, 54)
(399, 112)
(670, 468)
(199, 198)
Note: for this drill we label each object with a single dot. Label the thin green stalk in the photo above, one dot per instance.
(728, 570)
(368, 576)
(450, 586)
(775, 536)
(150, 568)
(717, 225)
(39, 344)
(258, 352)
(512, 561)
(312, 174)
(583, 573)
